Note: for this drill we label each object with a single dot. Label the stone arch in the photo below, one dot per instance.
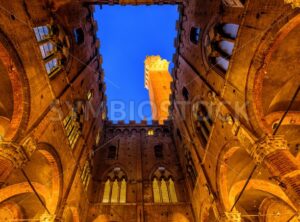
(57, 172)
(10, 212)
(262, 185)
(117, 165)
(155, 168)
(12, 66)
(227, 151)
(259, 68)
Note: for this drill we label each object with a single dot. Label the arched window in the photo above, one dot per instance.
(203, 122)
(163, 187)
(86, 175)
(158, 150)
(72, 128)
(51, 49)
(195, 35)
(115, 187)
(190, 168)
(79, 36)
(112, 153)
(185, 94)
(219, 45)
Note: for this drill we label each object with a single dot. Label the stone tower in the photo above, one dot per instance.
(157, 81)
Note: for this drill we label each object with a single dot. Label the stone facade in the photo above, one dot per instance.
(236, 72)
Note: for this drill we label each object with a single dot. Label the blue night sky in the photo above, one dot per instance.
(127, 35)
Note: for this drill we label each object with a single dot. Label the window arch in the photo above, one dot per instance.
(115, 187)
(163, 187)
(219, 45)
(195, 35)
(158, 151)
(190, 168)
(202, 122)
(54, 50)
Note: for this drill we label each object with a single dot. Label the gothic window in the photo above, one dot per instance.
(86, 175)
(47, 49)
(185, 94)
(112, 153)
(42, 33)
(158, 150)
(72, 128)
(219, 45)
(202, 122)
(79, 36)
(52, 66)
(195, 35)
(163, 187)
(190, 168)
(115, 187)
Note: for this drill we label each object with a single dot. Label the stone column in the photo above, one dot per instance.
(274, 154)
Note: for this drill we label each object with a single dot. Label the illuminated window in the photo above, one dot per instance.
(172, 191)
(156, 191)
(90, 94)
(47, 49)
(123, 191)
(195, 35)
(98, 137)
(106, 193)
(115, 187)
(72, 128)
(42, 33)
(164, 191)
(52, 66)
(163, 187)
(219, 45)
(85, 175)
(150, 132)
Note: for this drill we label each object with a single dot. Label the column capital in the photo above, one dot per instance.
(234, 216)
(294, 3)
(13, 152)
(265, 146)
(47, 217)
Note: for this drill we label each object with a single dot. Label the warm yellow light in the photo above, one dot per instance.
(150, 132)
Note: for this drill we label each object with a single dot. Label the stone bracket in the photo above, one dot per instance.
(265, 146)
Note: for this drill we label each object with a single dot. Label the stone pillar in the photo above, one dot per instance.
(234, 216)
(273, 152)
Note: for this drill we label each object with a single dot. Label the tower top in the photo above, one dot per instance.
(154, 64)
